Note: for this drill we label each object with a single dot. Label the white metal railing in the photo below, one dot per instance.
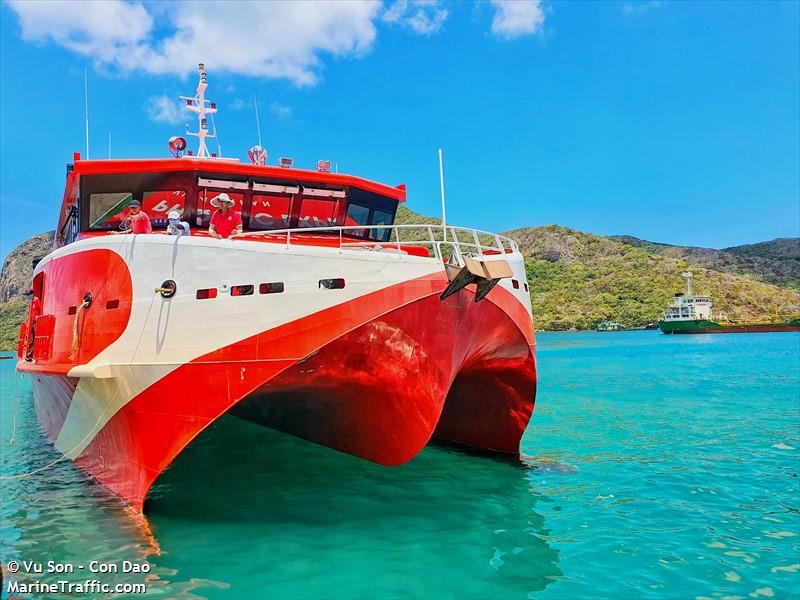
(438, 238)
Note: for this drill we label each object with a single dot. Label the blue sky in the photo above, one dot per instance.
(672, 121)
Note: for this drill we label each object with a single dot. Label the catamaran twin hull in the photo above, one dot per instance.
(346, 347)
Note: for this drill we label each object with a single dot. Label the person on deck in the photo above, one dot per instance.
(139, 221)
(34, 312)
(225, 222)
(176, 226)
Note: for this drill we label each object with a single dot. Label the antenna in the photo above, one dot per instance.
(258, 123)
(86, 107)
(109, 145)
(214, 125)
(441, 186)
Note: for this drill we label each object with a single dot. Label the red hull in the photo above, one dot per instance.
(380, 376)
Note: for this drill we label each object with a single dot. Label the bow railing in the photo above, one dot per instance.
(443, 242)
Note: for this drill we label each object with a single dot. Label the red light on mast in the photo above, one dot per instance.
(324, 166)
(286, 163)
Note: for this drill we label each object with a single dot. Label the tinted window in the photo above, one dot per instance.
(380, 217)
(357, 215)
(107, 211)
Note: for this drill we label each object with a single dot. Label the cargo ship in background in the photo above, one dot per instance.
(688, 313)
(322, 319)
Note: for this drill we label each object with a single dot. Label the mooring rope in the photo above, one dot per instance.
(14, 409)
(65, 455)
(76, 337)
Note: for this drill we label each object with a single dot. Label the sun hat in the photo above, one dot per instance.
(135, 204)
(223, 197)
(174, 215)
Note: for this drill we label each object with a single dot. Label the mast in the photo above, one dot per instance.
(197, 104)
(258, 123)
(441, 188)
(688, 276)
(86, 107)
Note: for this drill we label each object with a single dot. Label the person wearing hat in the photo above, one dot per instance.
(176, 226)
(225, 222)
(137, 221)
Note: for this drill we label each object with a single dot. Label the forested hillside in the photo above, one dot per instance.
(576, 279)
(776, 261)
(579, 279)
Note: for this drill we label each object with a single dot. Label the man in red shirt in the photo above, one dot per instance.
(34, 312)
(139, 221)
(225, 222)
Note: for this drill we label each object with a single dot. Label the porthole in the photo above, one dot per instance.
(331, 284)
(276, 287)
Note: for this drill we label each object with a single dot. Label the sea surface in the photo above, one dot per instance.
(655, 466)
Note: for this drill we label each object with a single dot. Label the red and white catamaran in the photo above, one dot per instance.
(324, 319)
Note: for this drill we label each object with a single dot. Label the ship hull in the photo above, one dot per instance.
(705, 326)
(376, 372)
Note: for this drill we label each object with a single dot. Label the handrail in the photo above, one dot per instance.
(499, 245)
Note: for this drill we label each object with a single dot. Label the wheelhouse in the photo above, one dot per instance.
(99, 194)
(688, 308)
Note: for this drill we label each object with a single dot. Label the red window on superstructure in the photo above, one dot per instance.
(205, 209)
(270, 212)
(317, 212)
(158, 205)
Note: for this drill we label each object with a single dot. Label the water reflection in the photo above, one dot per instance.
(50, 511)
(320, 523)
(248, 512)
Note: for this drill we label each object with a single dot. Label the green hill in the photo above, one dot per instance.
(579, 279)
(776, 261)
(15, 280)
(12, 313)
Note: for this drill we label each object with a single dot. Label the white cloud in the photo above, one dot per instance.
(100, 30)
(640, 8)
(280, 110)
(420, 16)
(264, 39)
(163, 109)
(239, 104)
(515, 18)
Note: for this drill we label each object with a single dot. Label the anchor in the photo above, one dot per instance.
(485, 274)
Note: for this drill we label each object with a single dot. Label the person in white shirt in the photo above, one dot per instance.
(176, 226)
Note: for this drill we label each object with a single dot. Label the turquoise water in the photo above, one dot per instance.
(658, 466)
